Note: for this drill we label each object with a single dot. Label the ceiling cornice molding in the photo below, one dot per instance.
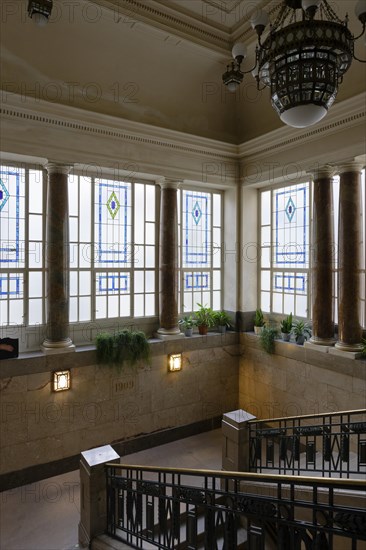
(345, 114)
(171, 21)
(87, 122)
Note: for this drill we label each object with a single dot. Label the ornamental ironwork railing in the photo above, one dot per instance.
(168, 508)
(330, 445)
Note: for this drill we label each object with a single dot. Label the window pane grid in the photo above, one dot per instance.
(285, 243)
(81, 249)
(285, 249)
(21, 246)
(121, 262)
(200, 234)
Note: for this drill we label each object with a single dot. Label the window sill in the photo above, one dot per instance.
(37, 362)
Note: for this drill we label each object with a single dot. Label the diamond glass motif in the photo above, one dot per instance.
(197, 213)
(4, 195)
(290, 209)
(113, 205)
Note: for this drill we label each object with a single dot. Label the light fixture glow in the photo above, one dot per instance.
(302, 58)
(61, 380)
(174, 362)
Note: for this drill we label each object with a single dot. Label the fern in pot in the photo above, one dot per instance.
(286, 328)
(205, 318)
(267, 339)
(222, 321)
(301, 331)
(258, 321)
(187, 324)
(123, 347)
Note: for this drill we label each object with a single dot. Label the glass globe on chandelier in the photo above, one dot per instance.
(302, 60)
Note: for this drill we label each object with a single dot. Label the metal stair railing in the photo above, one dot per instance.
(328, 444)
(170, 508)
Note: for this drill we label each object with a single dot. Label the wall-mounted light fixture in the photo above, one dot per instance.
(61, 380)
(39, 11)
(174, 362)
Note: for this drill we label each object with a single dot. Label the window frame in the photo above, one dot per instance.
(272, 269)
(25, 328)
(182, 271)
(131, 268)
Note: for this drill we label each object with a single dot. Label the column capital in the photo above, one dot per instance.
(169, 183)
(353, 166)
(322, 172)
(58, 168)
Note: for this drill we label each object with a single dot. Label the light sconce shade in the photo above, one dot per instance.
(61, 380)
(39, 11)
(174, 362)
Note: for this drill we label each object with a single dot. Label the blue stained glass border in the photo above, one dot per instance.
(10, 250)
(116, 283)
(192, 257)
(192, 280)
(15, 292)
(122, 254)
(288, 278)
(300, 256)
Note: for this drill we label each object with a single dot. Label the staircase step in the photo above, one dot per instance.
(103, 542)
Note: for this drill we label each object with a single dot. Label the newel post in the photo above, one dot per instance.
(93, 492)
(235, 440)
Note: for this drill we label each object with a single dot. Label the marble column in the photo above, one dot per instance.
(323, 254)
(168, 258)
(349, 260)
(57, 260)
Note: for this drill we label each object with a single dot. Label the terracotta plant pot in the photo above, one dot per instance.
(202, 329)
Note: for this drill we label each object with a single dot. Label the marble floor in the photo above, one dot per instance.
(45, 515)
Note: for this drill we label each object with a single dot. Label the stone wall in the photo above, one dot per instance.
(297, 380)
(104, 405)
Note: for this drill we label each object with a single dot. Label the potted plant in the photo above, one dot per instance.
(258, 321)
(301, 331)
(267, 339)
(204, 318)
(222, 320)
(125, 346)
(286, 328)
(187, 324)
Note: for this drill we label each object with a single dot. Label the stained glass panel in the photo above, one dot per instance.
(12, 224)
(196, 228)
(285, 216)
(200, 236)
(291, 226)
(113, 223)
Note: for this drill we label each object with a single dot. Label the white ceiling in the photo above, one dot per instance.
(223, 14)
(215, 24)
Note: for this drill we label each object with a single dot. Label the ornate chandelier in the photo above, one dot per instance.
(302, 60)
(39, 11)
